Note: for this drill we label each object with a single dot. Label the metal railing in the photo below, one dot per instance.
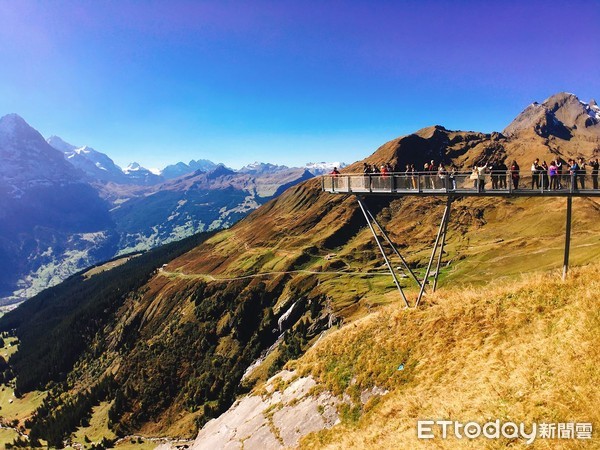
(464, 183)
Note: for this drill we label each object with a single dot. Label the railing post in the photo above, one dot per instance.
(419, 182)
(348, 183)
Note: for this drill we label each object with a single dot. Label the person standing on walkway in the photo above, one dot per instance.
(443, 176)
(433, 170)
(452, 176)
(535, 174)
(407, 177)
(515, 174)
(481, 170)
(502, 174)
(544, 174)
(581, 173)
(493, 168)
(574, 172)
(367, 173)
(553, 173)
(334, 174)
(559, 170)
(595, 166)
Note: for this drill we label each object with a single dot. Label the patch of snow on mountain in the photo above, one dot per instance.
(592, 109)
(320, 168)
(133, 167)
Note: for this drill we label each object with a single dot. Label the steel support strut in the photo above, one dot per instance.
(435, 246)
(439, 262)
(389, 241)
(567, 238)
(391, 269)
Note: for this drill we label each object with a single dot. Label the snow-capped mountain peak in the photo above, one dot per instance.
(133, 167)
(592, 109)
(59, 144)
(260, 167)
(138, 174)
(320, 168)
(85, 150)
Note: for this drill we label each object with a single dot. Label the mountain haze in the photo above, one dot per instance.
(49, 213)
(66, 207)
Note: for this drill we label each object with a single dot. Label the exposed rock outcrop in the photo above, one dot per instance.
(288, 411)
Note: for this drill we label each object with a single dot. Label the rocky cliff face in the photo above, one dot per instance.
(563, 116)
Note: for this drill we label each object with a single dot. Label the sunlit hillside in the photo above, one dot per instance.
(523, 350)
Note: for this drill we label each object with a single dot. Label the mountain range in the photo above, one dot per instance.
(178, 334)
(65, 207)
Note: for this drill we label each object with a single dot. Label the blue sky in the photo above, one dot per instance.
(286, 82)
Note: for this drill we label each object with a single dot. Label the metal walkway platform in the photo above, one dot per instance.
(461, 184)
(458, 184)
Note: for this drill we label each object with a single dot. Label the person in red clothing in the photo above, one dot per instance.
(334, 174)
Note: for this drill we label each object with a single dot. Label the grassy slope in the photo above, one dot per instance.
(7, 436)
(520, 351)
(19, 408)
(98, 427)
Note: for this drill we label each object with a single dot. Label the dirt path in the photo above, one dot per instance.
(266, 274)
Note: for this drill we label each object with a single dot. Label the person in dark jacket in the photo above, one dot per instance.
(515, 174)
(581, 173)
(502, 175)
(536, 171)
(595, 165)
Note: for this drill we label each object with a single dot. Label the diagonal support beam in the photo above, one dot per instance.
(390, 268)
(435, 246)
(439, 262)
(389, 241)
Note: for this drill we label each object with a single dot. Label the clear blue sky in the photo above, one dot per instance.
(284, 81)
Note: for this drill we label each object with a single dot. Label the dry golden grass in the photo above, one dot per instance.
(517, 351)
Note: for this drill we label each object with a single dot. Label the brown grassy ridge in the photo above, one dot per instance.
(524, 350)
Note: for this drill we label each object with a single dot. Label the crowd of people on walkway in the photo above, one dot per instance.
(554, 176)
